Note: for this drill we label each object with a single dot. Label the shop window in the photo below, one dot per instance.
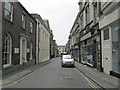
(106, 34)
(8, 11)
(7, 49)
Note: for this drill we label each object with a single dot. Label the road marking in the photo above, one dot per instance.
(89, 82)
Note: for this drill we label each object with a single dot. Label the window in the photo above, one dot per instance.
(95, 12)
(31, 27)
(8, 13)
(106, 34)
(7, 48)
(23, 21)
(82, 22)
(31, 51)
(87, 14)
(67, 57)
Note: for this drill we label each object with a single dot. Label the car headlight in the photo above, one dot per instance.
(63, 62)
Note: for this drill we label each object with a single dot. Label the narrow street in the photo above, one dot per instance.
(52, 75)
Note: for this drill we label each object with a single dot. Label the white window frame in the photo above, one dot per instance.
(31, 26)
(5, 47)
(23, 21)
(31, 51)
(9, 9)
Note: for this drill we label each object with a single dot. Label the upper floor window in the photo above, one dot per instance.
(106, 34)
(95, 12)
(31, 27)
(87, 14)
(8, 13)
(81, 22)
(23, 21)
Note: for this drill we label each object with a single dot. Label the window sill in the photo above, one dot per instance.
(8, 21)
(23, 28)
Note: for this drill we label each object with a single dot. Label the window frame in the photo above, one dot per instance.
(107, 31)
(23, 21)
(8, 11)
(6, 51)
(31, 27)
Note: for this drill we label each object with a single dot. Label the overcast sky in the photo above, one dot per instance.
(60, 13)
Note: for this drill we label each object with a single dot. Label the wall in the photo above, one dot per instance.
(0, 45)
(104, 23)
(15, 29)
(109, 18)
(0, 35)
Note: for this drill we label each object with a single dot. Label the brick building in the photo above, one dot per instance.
(18, 36)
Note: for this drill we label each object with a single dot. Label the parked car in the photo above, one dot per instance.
(67, 60)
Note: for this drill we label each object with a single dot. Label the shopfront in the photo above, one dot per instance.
(115, 28)
(87, 52)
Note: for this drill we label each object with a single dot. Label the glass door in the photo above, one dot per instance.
(116, 48)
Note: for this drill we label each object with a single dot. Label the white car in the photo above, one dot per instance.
(67, 60)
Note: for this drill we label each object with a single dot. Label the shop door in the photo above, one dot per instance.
(106, 51)
(115, 48)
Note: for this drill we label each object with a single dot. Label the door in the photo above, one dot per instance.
(23, 50)
(106, 47)
(115, 48)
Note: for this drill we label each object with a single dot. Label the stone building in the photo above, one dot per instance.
(0, 36)
(97, 27)
(51, 45)
(18, 36)
(90, 35)
(74, 38)
(109, 25)
(42, 39)
(61, 49)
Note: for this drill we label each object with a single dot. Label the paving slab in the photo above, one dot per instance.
(103, 79)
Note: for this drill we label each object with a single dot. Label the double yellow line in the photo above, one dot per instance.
(89, 82)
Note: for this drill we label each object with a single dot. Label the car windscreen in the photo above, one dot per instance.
(67, 57)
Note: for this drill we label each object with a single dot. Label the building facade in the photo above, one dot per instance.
(98, 26)
(68, 47)
(61, 49)
(18, 36)
(90, 35)
(110, 32)
(51, 45)
(42, 39)
(74, 39)
(0, 36)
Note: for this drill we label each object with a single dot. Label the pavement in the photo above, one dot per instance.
(15, 76)
(100, 78)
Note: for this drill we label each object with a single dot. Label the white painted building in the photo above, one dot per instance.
(110, 32)
(42, 39)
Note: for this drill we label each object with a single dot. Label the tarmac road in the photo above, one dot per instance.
(52, 75)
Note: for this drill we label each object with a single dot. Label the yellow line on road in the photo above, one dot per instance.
(89, 82)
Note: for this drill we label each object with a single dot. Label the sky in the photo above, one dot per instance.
(60, 13)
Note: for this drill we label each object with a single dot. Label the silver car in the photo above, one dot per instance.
(67, 60)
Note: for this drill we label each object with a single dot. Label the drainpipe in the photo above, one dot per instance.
(101, 69)
(36, 61)
(79, 51)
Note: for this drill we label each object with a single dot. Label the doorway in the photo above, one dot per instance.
(23, 50)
